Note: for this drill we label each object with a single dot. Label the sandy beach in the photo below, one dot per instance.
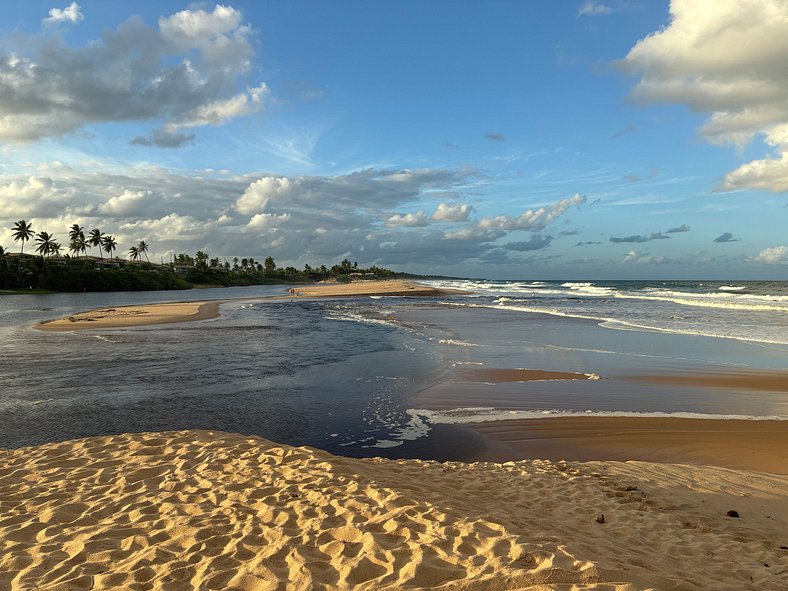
(126, 316)
(391, 287)
(210, 510)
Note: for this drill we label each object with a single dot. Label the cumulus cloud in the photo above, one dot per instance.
(266, 221)
(295, 219)
(681, 228)
(447, 212)
(535, 242)
(726, 237)
(411, 220)
(532, 219)
(776, 255)
(726, 59)
(182, 74)
(594, 8)
(69, 14)
(638, 238)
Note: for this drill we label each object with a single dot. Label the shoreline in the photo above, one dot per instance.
(190, 311)
(164, 509)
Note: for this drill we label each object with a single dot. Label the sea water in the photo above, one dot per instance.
(383, 376)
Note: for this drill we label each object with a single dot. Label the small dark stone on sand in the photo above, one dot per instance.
(601, 518)
(631, 488)
(732, 513)
(783, 547)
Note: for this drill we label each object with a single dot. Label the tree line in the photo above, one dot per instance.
(78, 272)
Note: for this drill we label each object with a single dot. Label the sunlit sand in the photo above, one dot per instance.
(197, 509)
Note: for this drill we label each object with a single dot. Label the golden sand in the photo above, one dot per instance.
(124, 316)
(207, 510)
(392, 287)
(140, 315)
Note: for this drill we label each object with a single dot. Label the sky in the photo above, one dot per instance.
(588, 139)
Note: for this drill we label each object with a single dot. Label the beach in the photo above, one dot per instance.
(128, 316)
(203, 509)
(167, 313)
(454, 443)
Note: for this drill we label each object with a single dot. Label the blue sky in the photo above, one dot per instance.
(614, 139)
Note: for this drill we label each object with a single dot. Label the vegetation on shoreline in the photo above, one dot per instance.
(50, 271)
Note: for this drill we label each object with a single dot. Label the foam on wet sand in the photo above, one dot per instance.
(210, 510)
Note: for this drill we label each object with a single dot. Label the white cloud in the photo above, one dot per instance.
(70, 14)
(411, 220)
(221, 111)
(259, 193)
(184, 74)
(775, 255)
(532, 219)
(126, 204)
(769, 174)
(725, 58)
(447, 212)
(265, 221)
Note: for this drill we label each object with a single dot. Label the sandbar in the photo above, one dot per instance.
(126, 316)
(493, 374)
(140, 315)
(392, 287)
(209, 510)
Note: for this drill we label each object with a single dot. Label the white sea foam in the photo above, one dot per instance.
(354, 317)
(706, 301)
(619, 324)
(588, 289)
(487, 414)
(457, 343)
(732, 287)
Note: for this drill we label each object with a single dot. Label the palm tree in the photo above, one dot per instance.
(142, 248)
(74, 234)
(108, 243)
(45, 242)
(96, 238)
(24, 232)
(77, 245)
(134, 253)
(55, 248)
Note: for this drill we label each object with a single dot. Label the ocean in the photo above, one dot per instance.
(372, 376)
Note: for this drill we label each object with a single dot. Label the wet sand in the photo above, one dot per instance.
(767, 381)
(209, 510)
(491, 374)
(741, 444)
(127, 316)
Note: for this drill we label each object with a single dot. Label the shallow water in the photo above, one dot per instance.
(352, 376)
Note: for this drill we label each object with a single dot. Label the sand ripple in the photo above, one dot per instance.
(207, 510)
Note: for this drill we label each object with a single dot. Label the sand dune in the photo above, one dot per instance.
(207, 510)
